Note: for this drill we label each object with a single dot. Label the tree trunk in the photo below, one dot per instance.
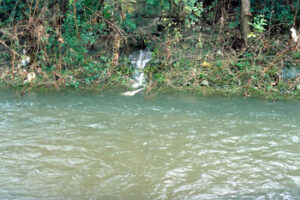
(116, 50)
(63, 5)
(245, 19)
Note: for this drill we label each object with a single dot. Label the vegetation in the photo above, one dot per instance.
(218, 47)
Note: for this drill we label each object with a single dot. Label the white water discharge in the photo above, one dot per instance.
(139, 59)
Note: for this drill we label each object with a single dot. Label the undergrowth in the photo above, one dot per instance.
(86, 44)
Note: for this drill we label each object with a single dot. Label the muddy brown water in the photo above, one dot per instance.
(106, 146)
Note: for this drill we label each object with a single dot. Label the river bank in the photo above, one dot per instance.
(214, 78)
(201, 49)
(46, 83)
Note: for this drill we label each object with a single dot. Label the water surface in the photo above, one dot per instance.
(107, 146)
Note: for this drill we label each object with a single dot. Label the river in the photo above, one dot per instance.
(176, 146)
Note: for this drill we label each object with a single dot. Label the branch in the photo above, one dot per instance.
(13, 51)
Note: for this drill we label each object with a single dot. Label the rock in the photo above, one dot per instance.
(220, 53)
(298, 87)
(290, 73)
(204, 83)
(294, 35)
(2, 75)
(206, 64)
(31, 76)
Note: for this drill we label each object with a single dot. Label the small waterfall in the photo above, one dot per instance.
(139, 59)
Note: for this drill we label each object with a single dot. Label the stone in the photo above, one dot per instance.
(206, 64)
(31, 76)
(204, 83)
(298, 87)
(290, 73)
(294, 35)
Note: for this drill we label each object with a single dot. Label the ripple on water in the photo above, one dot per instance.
(109, 147)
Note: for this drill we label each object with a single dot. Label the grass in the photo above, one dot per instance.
(195, 62)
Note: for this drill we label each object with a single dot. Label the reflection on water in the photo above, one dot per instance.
(108, 146)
